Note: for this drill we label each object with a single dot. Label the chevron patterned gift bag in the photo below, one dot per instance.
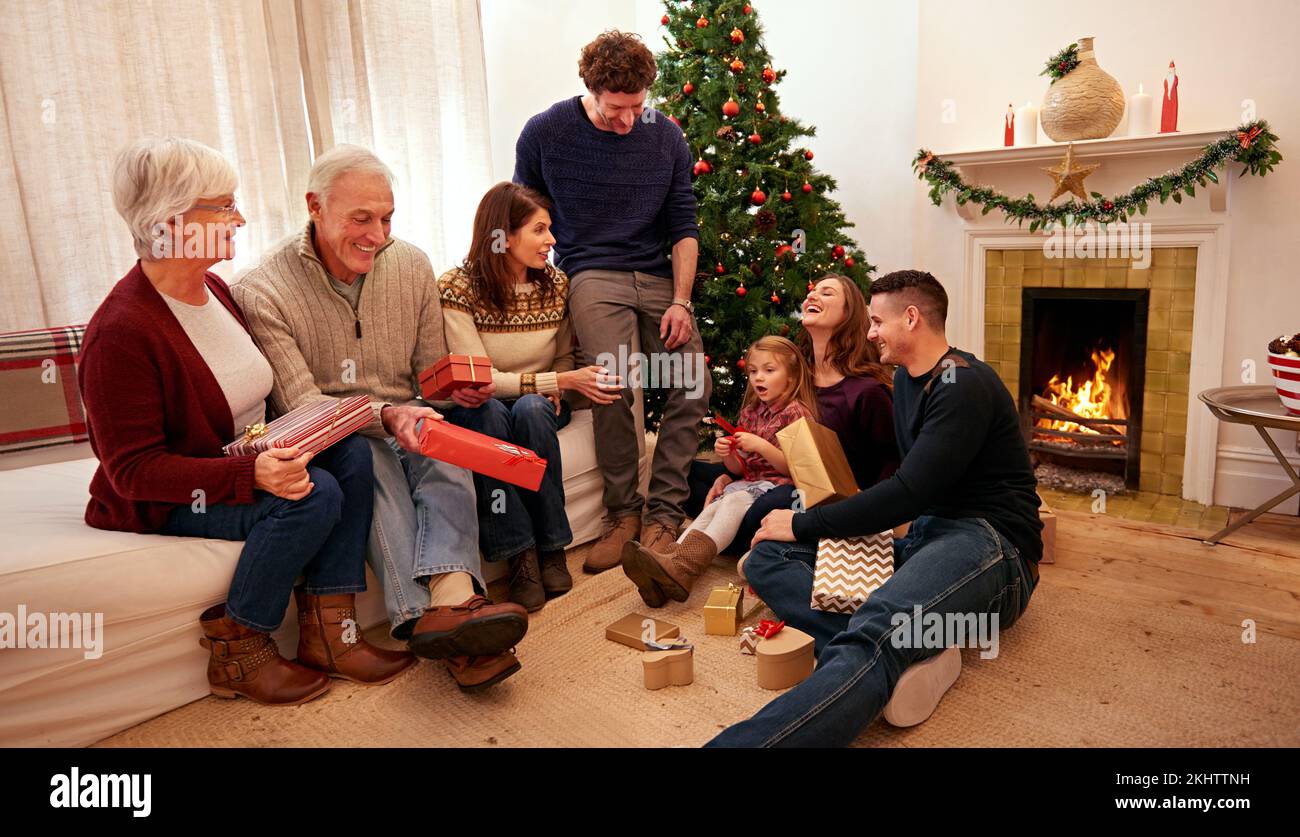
(849, 569)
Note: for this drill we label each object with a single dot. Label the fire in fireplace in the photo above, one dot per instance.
(1082, 366)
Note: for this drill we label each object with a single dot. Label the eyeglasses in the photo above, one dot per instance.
(229, 209)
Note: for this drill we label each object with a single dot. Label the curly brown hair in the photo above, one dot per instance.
(617, 62)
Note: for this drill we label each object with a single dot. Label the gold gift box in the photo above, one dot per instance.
(723, 611)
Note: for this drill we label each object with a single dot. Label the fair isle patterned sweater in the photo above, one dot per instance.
(528, 345)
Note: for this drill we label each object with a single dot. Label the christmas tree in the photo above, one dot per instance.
(768, 228)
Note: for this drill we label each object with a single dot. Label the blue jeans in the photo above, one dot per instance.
(945, 566)
(424, 526)
(704, 474)
(321, 537)
(512, 519)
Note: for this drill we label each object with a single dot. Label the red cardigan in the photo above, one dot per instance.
(157, 416)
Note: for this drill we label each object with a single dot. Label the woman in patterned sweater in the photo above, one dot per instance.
(508, 303)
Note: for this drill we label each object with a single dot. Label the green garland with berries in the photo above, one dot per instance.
(1062, 63)
(1253, 145)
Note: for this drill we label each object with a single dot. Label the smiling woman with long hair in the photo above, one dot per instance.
(508, 303)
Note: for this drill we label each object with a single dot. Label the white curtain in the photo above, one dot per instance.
(263, 81)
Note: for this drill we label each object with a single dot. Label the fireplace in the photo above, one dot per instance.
(1082, 378)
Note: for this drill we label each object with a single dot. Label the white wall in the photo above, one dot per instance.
(852, 75)
(982, 55)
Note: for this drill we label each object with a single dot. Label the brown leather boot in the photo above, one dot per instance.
(608, 551)
(556, 580)
(246, 662)
(330, 640)
(672, 573)
(474, 628)
(474, 674)
(526, 581)
(651, 593)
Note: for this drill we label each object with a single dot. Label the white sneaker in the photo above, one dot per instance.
(922, 686)
(740, 566)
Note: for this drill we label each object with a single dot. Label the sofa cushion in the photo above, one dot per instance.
(41, 407)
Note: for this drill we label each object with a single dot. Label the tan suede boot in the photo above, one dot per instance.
(246, 662)
(671, 573)
(608, 551)
(330, 640)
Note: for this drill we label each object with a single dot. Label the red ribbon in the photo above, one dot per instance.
(768, 629)
(518, 455)
(1247, 138)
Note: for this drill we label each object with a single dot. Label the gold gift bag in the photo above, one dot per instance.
(817, 463)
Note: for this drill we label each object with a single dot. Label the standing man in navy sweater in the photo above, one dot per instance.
(619, 175)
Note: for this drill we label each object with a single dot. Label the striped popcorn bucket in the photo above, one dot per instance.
(1286, 378)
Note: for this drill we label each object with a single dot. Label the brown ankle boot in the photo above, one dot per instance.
(554, 565)
(671, 573)
(608, 551)
(330, 640)
(526, 588)
(246, 662)
(474, 674)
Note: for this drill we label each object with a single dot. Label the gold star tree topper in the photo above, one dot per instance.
(1069, 175)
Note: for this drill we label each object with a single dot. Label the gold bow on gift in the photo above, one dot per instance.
(254, 431)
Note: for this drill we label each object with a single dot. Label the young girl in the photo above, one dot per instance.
(780, 392)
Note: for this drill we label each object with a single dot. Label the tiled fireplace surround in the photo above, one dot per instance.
(1186, 279)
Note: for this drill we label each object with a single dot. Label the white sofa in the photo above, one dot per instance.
(150, 590)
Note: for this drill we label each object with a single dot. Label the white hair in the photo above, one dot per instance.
(157, 178)
(341, 160)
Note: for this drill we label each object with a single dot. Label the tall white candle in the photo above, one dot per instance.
(1027, 124)
(1140, 110)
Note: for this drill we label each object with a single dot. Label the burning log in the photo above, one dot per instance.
(1064, 414)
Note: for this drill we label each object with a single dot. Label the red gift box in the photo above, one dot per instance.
(482, 454)
(454, 372)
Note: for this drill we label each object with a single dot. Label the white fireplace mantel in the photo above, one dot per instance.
(974, 164)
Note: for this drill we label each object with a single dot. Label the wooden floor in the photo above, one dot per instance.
(1253, 574)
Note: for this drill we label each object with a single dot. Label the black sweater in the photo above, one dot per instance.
(963, 456)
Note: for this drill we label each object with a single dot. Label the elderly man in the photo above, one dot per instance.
(344, 309)
(619, 176)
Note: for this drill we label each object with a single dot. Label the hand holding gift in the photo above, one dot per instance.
(283, 472)
(402, 422)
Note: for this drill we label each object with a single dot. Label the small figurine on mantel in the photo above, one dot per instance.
(1169, 105)
(1009, 127)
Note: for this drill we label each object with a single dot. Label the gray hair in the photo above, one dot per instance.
(341, 160)
(157, 178)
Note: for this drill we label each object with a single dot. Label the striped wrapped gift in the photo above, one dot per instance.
(1286, 379)
(312, 427)
(850, 569)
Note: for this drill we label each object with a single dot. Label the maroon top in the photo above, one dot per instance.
(861, 412)
(157, 416)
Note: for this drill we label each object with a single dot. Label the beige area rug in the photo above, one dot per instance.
(1077, 670)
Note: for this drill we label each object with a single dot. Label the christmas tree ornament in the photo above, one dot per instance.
(702, 22)
(783, 250)
(769, 75)
(760, 107)
(807, 155)
(849, 262)
(764, 221)
(737, 66)
(786, 196)
(663, 21)
(747, 9)
(740, 291)
(731, 108)
(807, 188)
(755, 138)
(688, 88)
(757, 197)
(702, 167)
(737, 36)
(776, 300)
(1069, 175)
(740, 364)
(727, 133)
(719, 269)
(837, 251)
(811, 287)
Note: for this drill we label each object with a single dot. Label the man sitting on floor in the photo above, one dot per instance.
(973, 549)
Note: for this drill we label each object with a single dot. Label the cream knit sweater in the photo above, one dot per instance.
(319, 349)
(529, 345)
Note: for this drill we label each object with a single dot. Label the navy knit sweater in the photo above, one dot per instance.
(621, 202)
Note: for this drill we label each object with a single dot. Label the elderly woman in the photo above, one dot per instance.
(168, 372)
(511, 305)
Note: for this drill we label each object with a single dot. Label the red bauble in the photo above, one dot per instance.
(731, 108)
(837, 251)
(1107, 205)
(807, 188)
(849, 262)
(757, 197)
(747, 9)
(760, 107)
(740, 364)
(811, 287)
(776, 299)
(756, 138)
(719, 270)
(769, 75)
(807, 155)
(702, 22)
(702, 167)
(786, 196)
(707, 360)
(737, 36)
(783, 250)
(688, 88)
(737, 66)
(663, 21)
(741, 291)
